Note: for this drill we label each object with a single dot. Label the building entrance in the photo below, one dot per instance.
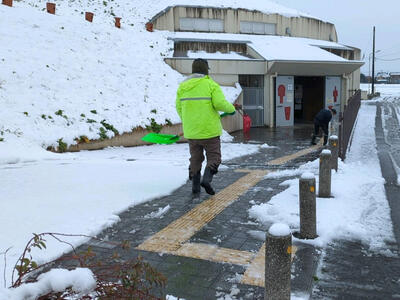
(309, 97)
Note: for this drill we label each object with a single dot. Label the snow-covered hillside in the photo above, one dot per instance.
(60, 76)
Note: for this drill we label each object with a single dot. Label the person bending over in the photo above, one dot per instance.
(321, 120)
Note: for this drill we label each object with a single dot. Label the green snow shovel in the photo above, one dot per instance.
(158, 138)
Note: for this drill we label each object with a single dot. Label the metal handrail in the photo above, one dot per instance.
(347, 121)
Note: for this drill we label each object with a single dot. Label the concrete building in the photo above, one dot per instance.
(288, 67)
(395, 77)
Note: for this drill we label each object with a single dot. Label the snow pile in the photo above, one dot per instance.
(80, 280)
(16, 150)
(158, 214)
(279, 229)
(358, 209)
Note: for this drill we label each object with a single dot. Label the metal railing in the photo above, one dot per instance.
(347, 121)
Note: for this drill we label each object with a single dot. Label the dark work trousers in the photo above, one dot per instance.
(318, 125)
(324, 127)
(212, 148)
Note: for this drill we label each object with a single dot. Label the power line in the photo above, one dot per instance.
(394, 59)
(397, 52)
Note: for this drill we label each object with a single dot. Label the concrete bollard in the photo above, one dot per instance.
(324, 190)
(278, 252)
(308, 218)
(334, 147)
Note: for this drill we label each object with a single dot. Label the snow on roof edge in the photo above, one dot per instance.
(288, 15)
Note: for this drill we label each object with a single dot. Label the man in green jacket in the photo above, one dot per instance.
(198, 100)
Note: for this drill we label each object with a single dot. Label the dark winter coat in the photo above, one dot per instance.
(323, 117)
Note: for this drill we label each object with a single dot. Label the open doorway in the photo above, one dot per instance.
(308, 97)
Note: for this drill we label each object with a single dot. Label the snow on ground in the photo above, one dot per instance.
(358, 209)
(386, 90)
(82, 193)
(77, 74)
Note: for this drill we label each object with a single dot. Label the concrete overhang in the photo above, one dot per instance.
(312, 68)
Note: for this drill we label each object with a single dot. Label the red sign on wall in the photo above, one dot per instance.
(335, 94)
(281, 92)
(287, 113)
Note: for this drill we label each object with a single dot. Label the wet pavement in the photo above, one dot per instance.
(348, 269)
(190, 275)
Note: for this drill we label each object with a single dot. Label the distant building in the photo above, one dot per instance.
(395, 77)
(289, 67)
(382, 78)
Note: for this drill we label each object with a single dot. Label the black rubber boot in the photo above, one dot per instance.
(313, 140)
(196, 185)
(206, 182)
(325, 140)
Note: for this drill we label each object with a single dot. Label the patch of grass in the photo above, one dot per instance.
(154, 111)
(168, 122)
(62, 146)
(93, 111)
(109, 127)
(154, 126)
(83, 115)
(59, 112)
(44, 117)
(26, 113)
(91, 121)
(1, 139)
(103, 134)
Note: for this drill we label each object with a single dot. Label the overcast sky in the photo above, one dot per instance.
(354, 20)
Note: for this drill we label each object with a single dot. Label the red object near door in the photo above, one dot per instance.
(287, 113)
(246, 123)
(281, 92)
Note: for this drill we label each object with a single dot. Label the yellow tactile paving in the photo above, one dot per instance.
(178, 232)
(285, 159)
(173, 238)
(255, 274)
(215, 253)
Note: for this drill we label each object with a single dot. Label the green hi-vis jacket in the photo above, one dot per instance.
(198, 100)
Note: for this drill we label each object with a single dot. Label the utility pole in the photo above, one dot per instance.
(373, 65)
